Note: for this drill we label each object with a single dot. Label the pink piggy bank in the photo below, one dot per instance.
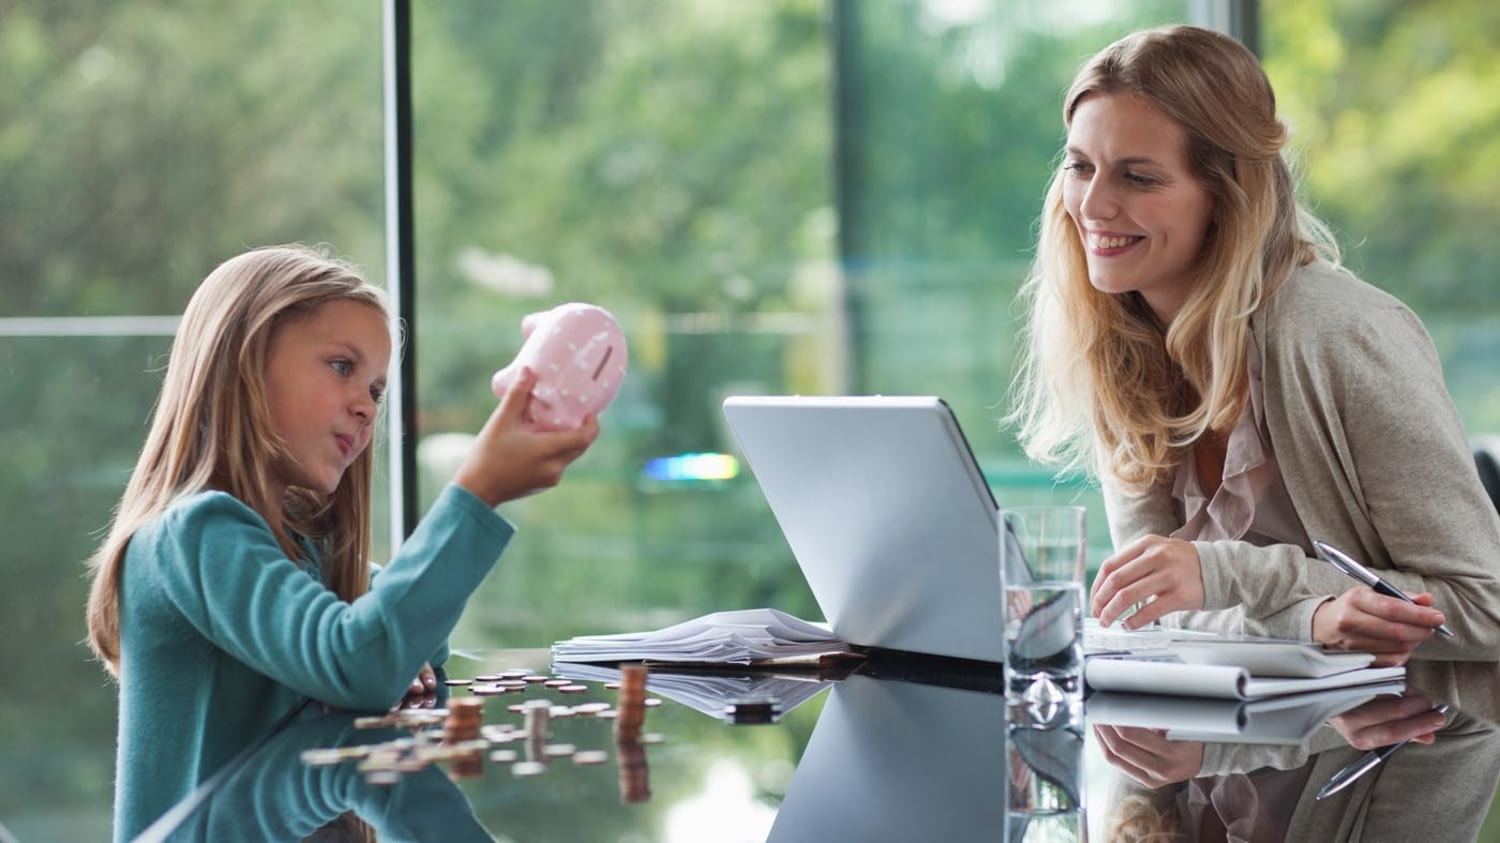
(578, 353)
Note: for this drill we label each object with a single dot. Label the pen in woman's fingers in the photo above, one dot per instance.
(1344, 562)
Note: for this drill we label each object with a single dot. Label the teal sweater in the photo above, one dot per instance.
(221, 635)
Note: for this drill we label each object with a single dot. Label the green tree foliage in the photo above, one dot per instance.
(1394, 116)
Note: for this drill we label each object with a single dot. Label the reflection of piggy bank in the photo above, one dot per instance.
(578, 353)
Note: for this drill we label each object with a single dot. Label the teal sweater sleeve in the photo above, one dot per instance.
(219, 564)
(221, 634)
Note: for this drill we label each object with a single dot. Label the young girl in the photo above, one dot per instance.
(235, 580)
(1194, 340)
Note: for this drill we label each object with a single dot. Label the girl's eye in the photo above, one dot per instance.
(343, 368)
(377, 394)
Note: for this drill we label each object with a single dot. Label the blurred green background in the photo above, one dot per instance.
(809, 196)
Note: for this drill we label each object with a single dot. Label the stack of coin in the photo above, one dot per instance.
(465, 716)
(635, 780)
(538, 716)
(635, 784)
(632, 702)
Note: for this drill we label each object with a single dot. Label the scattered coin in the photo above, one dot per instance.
(503, 756)
(590, 756)
(558, 750)
(653, 737)
(515, 673)
(652, 702)
(572, 689)
(591, 709)
(556, 683)
(456, 682)
(321, 757)
(527, 768)
(562, 711)
(534, 678)
(611, 686)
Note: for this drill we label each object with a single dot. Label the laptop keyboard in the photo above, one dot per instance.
(1098, 639)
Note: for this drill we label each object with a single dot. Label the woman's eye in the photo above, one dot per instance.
(1077, 168)
(1140, 180)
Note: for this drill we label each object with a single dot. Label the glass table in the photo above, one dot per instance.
(886, 749)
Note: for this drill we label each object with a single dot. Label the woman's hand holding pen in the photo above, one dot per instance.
(1381, 722)
(1360, 619)
(1166, 572)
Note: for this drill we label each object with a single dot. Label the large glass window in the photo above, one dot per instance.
(141, 144)
(1399, 146)
(780, 196)
(669, 161)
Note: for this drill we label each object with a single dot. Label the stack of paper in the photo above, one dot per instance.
(711, 693)
(1286, 720)
(1169, 675)
(749, 636)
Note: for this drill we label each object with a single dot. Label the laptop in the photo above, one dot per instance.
(887, 513)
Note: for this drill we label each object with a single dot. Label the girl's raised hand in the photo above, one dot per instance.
(509, 460)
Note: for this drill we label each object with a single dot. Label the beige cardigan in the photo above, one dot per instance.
(1376, 462)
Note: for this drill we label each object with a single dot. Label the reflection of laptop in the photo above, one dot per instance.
(887, 513)
(892, 760)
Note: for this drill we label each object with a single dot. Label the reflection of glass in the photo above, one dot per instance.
(1041, 560)
(1046, 775)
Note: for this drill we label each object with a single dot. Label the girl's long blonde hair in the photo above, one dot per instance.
(1103, 386)
(211, 428)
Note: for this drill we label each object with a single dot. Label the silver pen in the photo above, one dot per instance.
(1344, 562)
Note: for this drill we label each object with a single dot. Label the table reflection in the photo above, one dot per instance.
(899, 751)
(1398, 766)
(274, 795)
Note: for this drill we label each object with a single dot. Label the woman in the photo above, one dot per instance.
(1194, 342)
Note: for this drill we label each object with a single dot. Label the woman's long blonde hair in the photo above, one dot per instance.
(211, 428)
(1103, 386)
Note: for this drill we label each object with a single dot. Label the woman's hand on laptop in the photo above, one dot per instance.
(1148, 756)
(1154, 575)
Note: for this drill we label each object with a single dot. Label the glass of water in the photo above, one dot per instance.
(1041, 564)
